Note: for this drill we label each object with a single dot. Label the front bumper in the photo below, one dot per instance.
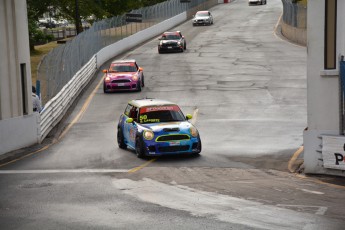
(201, 22)
(170, 48)
(111, 87)
(191, 146)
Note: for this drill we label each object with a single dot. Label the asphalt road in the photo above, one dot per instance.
(247, 88)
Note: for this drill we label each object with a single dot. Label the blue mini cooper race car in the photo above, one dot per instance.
(155, 127)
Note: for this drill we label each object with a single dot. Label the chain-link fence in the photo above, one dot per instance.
(61, 64)
(295, 13)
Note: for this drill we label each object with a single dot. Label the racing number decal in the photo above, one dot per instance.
(143, 119)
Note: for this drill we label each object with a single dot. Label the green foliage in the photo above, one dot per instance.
(66, 9)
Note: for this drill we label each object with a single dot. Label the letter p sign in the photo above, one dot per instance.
(338, 157)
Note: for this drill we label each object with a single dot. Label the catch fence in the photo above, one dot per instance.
(59, 66)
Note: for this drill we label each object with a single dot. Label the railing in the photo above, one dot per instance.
(295, 13)
(57, 107)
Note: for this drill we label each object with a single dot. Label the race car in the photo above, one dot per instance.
(123, 75)
(172, 41)
(154, 127)
(202, 18)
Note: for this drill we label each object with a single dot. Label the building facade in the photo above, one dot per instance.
(324, 142)
(18, 123)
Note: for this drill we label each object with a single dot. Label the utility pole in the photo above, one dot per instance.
(77, 17)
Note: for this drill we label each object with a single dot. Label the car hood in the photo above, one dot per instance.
(168, 126)
(169, 41)
(121, 75)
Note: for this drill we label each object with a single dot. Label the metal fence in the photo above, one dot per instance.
(295, 13)
(61, 64)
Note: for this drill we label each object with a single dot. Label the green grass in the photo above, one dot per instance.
(37, 55)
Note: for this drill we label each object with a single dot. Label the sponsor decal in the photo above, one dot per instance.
(333, 152)
(159, 108)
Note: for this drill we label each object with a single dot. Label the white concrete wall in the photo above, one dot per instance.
(322, 88)
(17, 130)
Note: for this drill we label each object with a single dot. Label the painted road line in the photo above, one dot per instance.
(76, 119)
(49, 171)
(27, 155)
(83, 109)
(293, 158)
(141, 166)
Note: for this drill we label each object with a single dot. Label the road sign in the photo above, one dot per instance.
(134, 17)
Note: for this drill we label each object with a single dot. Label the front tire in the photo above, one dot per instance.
(142, 81)
(104, 88)
(139, 148)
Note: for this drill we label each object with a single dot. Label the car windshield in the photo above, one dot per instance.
(126, 67)
(202, 14)
(155, 114)
(171, 37)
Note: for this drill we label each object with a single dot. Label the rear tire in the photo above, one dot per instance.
(120, 139)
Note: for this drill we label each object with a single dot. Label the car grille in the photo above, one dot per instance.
(121, 81)
(178, 137)
(121, 87)
(172, 44)
(180, 148)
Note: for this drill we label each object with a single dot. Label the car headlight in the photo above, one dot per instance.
(135, 77)
(107, 79)
(161, 43)
(148, 134)
(193, 131)
(178, 43)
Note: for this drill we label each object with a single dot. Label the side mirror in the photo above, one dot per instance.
(105, 71)
(189, 116)
(182, 36)
(129, 120)
(140, 69)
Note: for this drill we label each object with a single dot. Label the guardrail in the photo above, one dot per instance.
(57, 107)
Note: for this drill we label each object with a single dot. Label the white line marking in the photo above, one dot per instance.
(313, 192)
(39, 171)
(320, 210)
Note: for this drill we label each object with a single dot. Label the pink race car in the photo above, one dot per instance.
(123, 75)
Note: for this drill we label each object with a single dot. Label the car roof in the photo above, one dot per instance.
(174, 32)
(123, 61)
(149, 102)
(203, 11)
